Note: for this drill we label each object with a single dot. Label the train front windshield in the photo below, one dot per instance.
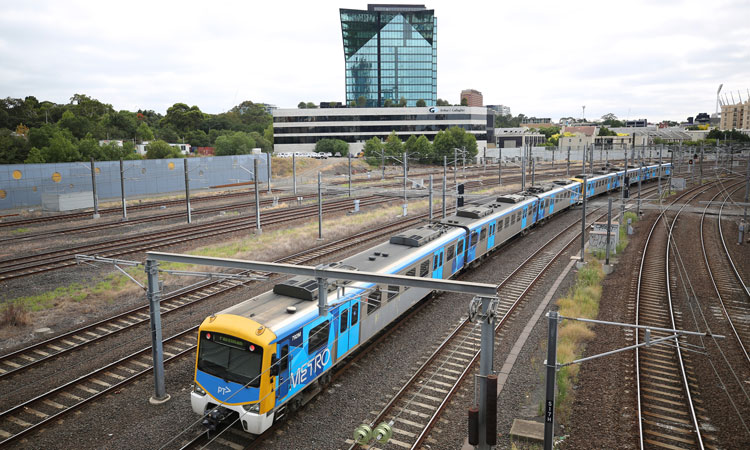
(230, 359)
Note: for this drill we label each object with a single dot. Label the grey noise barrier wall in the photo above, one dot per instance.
(22, 185)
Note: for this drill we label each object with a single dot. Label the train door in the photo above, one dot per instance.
(491, 236)
(552, 204)
(437, 264)
(354, 323)
(342, 344)
(523, 216)
(282, 386)
(459, 259)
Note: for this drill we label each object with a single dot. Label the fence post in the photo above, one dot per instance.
(187, 190)
(93, 189)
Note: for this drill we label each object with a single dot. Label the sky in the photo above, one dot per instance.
(655, 59)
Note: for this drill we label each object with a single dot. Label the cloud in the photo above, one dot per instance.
(543, 58)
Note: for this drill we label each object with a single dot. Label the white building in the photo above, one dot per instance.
(141, 148)
(297, 130)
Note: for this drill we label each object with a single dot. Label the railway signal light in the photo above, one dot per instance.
(460, 189)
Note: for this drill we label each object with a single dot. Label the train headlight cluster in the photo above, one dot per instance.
(198, 390)
(252, 407)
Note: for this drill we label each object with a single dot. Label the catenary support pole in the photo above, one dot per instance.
(430, 196)
(567, 169)
(553, 157)
(747, 194)
(350, 173)
(583, 218)
(382, 164)
(551, 363)
(257, 196)
(93, 190)
(499, 166)
(294, 172)
(523, 170)
(445, 182)
(122, 192)
(700, 181)
(320, 208)
(187, 190)
(268, 167)
(406, 205)
(157, 350)
(485, 367)
(640, 175)
(623, 187)
(609, 228)
(455, 166)
(533, 171)
(658, 179)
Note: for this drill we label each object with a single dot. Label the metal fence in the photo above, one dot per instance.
(22, 185)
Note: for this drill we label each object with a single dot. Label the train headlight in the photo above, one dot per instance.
(252, 408)
(198, 390)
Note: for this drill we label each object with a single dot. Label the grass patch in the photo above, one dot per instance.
(582, 300)
(14, 313)
(19, 231)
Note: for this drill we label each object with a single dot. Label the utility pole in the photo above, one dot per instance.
(533, 171)
(591, 160)
(640, 175)
(350, 174)
(567, 170)
(122, 192)
(658, 179)
(623, 186)
(157, 350)
(523, 170)
(187, 190)
(701, 167)
(93, 189)
(455, 166)
(553, 157)
(257, 196)
(382, 163)
(483, 432)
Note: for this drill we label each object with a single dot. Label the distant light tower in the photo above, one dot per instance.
(584, 112)
(717, 98)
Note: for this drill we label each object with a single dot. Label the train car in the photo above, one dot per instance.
(266, 356)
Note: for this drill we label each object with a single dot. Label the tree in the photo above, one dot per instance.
(388, 103)
(373, 149)
(419, 147)
(393, 145)
(35, 157)
(168, 134)
(261, 142)
(311, 105)
(144, 132)
(332, 146)
(197, 138)
(182, 117)
(78, 126)
(268, 134)
(160, 150)
(238, 143)
(341, 147)
(548, 132)
(13, 149)
(402, 102)
(60, 149)
(464, 101)
(421, 103)
(610, 120)
(361, 101)
(441, 102)
(604, 131)
(301, 105)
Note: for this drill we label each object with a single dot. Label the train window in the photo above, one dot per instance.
(411, 272)
(318, 337)
(512, 219)
(424, 268)
(284, 358)
(451, 250)
(518, 216)
(460, 248)
(474, 238)
(434, 262)
(392, 292)
(483, 234)
(507, 222)
(500, 225)
(344, 319)
(441, 259)
(373, 301)
(355, 313)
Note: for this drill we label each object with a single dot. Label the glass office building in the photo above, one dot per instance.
(390, 53)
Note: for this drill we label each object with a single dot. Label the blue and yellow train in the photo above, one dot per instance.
(266, 356)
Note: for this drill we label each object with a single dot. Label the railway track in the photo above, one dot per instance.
(731, 290)
(55, 259)
(33, 414)
(669, 412)
(181, 203)
(417, 406)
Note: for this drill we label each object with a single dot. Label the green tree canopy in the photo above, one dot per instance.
(604, 131)
(421, 103)
(419, 147)
(332, 146)
(361, 101)
(160, 150)
(393, 145)
(60, 149)
(183, 117)
(238, 143)
(372, 150)
(441, 102)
